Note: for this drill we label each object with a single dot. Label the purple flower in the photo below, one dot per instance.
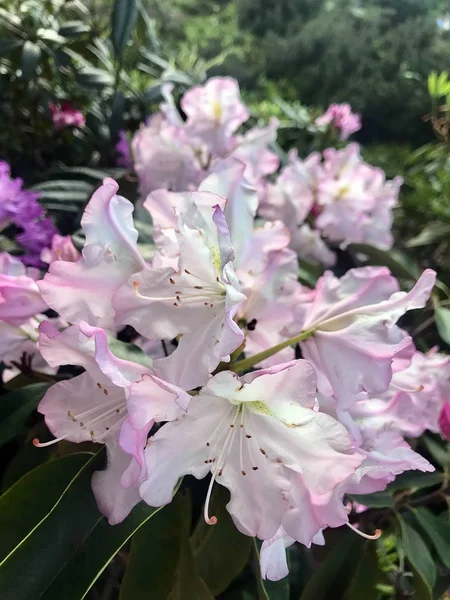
(21, 208)
(123, 151)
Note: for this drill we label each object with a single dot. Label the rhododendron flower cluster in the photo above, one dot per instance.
(341, 117)
(21, 208)
(290, 397)
(64, 115)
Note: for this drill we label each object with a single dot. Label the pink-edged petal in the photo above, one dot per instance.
(113, 500)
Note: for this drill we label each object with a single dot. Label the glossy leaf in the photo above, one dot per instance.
(31, 54)
(415, 481)
(130, 352)
(366, 577)
(16, 407)
(124, 17)
(442, 318)
(31, 498)
(437, 530)
(375, 500)
(429, 235)
(221, 552)
(439, 451)
(161, 565)
(333, 576)
(420, 559)
(50, 546)
(94, 78)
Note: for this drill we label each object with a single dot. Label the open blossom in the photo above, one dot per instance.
(353, 336)
(198, 299)
(64, 115)
(83, 290)
(341, 117)
(214, 112)
(255, 434)
(93, 407)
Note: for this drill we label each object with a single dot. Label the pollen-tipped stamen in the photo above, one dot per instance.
(367, 536)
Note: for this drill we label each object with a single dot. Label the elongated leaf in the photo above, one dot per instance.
(442, 318)
(94, 555)
(124, 17)
(333, 576)
(221, 552)
(16, 407)
(31, 54)
(399, 263)
(65, 196)
(94, 78)
(366, 577)
(415, 481)
(73, 28)
(64, 184)
(420, 558)
(375, 500)
(429, 235)
(161, 564)
(438, 532)
(50, 546)
(129, 352)
(9, 44)
(439, 451)
(29, 500)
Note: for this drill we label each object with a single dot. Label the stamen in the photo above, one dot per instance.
(419, 388)
(375, 536)
(213, 519)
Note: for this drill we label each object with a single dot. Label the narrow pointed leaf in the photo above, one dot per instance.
(16, 407)
(124, 17)
(437, 530)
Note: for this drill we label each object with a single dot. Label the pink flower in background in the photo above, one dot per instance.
(214, 112)
(62, 248)
(64, 115)
(341, 117)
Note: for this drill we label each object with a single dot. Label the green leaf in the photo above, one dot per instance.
(442, 319)
(64, 196)
(51, 544)
(367, 576)
(130, 352)
(399, 263)
(31, 54)
(439, 451)
(376, 500)
(124, 17)
(420, 559)
(9, 44)
(415, 481)
(65, 184)
(73, 28)
(94, 78)
(429, 235)
(334, 574)
(16, 407)
(221, 552)
(438, 532)
(30, 499)
(161, 564)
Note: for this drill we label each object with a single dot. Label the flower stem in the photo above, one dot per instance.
(251, 361)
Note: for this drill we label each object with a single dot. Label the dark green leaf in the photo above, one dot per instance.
(124, 17)
(439, 451)
(116, 120)
(420, 559)
(161, 564)
(8, 44)
(65, 184)
(50, 546)
(29, 500)
(414, 480)
(31, 53)
(442, 318)
(94, 78)
(73, 28)
(92, 557)
(221, 552)
(65, 196)
(16, 407)
(333, 576)
(367, 576)
(375, 500)
(399, 263)
(429, 235)
(438, 532)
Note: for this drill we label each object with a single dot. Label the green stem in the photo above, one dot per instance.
(251, 361)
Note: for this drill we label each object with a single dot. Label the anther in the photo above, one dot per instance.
(243, 473)
(255, 468)
(105, 392)
(170, 279)
(198, 287)
(248, 436)
(99, 385)
(208, 444)
(262, 451)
